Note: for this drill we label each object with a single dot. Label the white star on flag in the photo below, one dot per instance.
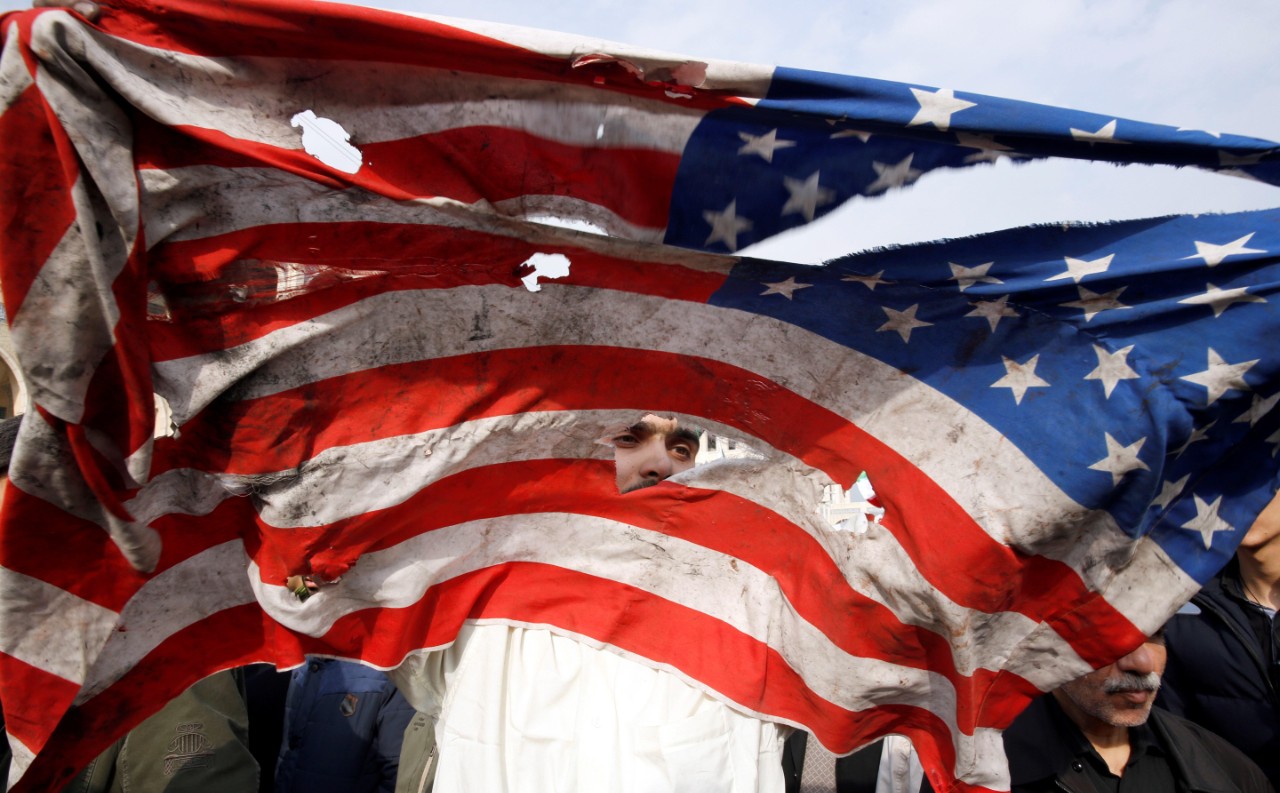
(1205, 131)
(1221, 377)
(764, 145)
(1227, 158)
(851, 133)
(983, 156)
(902, 321)
(936, 107)
(1077, 269)
(985, 142)
(726, 225)
(1019, 377)
(1198, 434)
(1120, 460)
(869, 281)
(1094, 303)
(988, 149)
(1206, 523)
(1258, 409)
(1214, 254)
(806, 196)
(1275, 438)
(1169, 491)
(993, 311)
(785, 288)
(1112, 368)
(1105, 134)
(896, 175)
(966, 277)
(1221, 299)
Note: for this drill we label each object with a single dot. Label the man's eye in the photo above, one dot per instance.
(625, 440)
(683, 452)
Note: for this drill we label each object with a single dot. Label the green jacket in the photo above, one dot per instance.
(199, 743)
(418, 756)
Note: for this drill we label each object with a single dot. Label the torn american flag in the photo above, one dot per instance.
(317, 257)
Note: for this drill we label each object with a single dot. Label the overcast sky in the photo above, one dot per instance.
(1190, 63)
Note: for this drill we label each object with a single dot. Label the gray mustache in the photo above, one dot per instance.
(1128, 682)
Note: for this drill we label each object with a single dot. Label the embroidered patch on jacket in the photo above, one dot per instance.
(189, 749)
(348, 705)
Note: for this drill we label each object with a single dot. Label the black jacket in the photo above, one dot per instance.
(1217, 674)
(1041, 745)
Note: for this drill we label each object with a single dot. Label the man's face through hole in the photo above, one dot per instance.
(651, 450)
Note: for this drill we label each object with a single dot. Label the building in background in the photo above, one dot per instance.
(847, 510)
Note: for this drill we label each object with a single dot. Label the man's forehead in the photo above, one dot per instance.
(656, 425)
(651, 425)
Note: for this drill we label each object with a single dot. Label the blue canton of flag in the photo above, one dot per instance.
(1138, 343)
(817, 140)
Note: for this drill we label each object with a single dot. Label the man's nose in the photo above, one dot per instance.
(657, 464)
(1140, 661)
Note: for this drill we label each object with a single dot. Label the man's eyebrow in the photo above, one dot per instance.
(642, 428)
(685, 434)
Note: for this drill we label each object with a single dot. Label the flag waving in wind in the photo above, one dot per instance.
(313, 231)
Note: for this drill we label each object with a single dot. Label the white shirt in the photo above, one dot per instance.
(900, 769)
(525, 709)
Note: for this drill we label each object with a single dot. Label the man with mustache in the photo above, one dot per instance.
(1099, 733)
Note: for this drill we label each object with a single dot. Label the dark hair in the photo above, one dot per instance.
(8, 434)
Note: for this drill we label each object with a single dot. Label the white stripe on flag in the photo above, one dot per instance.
(746, 79)
(22, 757)
(15, 77)
(183, 595)
(668, 567)
(49, 628)
(339, 342)
(344, 482)
(253, 98)
(868, 392)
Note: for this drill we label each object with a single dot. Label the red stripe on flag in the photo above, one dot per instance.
(159, 146)
(36, 210)
(79, 557)
(291, 28)
(427, 257)
(32, 692)
(223, 640)
(285, 29)
(725, 660)
(470, 164)
(808, 577)
(72, 554)
(258, 436)
(120, 400)
(498, 164)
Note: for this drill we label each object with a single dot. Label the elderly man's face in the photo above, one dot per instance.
(1120, 694)
(651, 450)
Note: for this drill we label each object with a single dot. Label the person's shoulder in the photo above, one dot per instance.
(354, 674)
(1190, 741)
(1206, 613)
(1185, 729)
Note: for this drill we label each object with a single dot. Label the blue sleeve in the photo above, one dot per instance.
(392, 721)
